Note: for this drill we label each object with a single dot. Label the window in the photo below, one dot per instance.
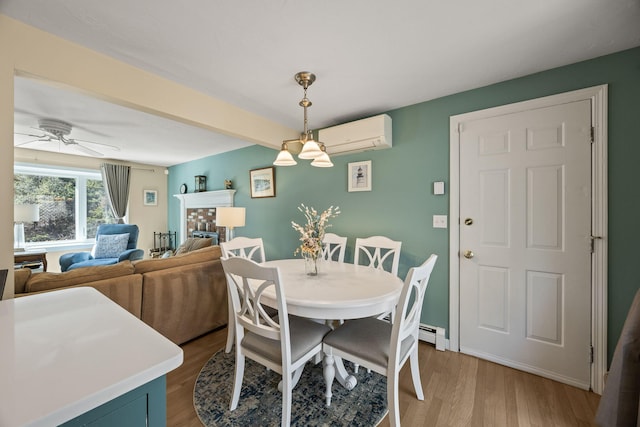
(72, 203)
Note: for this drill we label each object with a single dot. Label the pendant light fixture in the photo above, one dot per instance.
(310, 149)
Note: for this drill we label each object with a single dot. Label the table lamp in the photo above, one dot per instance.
(22, 214)
(230, 217)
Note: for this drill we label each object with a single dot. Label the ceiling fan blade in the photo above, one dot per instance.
(86, 150)
(29, 134)
(30, 141)
(102, 144)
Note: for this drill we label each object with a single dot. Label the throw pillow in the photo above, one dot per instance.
(111, 245)
(194, 243)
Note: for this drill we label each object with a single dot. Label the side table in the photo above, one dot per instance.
(38, 255)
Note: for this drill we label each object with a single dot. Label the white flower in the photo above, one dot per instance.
(312, 233)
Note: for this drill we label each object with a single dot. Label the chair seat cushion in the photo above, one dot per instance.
(305, 335)
(93, 263)
(367, 339)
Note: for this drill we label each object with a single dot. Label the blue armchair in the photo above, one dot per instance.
(114, 243)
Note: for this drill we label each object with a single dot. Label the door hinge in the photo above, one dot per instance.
(593, 133)
(593, 239)
(590, 354)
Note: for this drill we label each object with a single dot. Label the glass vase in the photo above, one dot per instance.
(311, 266)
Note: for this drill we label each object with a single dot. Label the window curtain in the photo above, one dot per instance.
(115, 179)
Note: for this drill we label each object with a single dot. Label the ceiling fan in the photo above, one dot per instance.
(57, 130)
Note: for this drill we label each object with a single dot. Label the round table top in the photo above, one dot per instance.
(339, 291)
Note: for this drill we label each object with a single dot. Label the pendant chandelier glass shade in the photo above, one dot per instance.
(323, 160)
(311, 149)
(284, 157)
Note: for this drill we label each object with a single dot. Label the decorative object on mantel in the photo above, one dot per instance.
(201, 183)
(263, 182)
(228, 185)
(310, 149)
(183, 188)
(311, 235)
(261, 403)
(21, 214)
(230, 217)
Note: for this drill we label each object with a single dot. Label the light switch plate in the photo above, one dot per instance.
(439, 221)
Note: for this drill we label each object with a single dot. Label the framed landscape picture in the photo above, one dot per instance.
(359, 176)
(150, 198)
(263, 182)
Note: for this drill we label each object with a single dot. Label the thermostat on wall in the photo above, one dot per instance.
(438, 187)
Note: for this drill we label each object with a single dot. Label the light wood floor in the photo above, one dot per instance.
(460, 390)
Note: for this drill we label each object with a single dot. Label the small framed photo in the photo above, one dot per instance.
(263, 182)
(359, 176)
(150, 197)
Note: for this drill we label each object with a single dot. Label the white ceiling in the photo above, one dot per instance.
(369, 56)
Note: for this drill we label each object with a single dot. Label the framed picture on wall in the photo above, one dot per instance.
(359, 176)
(150, 197)
(263, 182)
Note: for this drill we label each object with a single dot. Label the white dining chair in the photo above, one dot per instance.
(379, 252)
(333, 247)
(243, 247)
(383, 347)
(282, 343)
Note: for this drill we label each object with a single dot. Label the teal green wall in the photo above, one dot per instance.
(401, 204)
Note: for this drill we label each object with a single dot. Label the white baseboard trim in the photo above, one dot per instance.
(434, 335)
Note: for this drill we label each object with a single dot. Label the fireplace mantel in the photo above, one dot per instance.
(203, 199)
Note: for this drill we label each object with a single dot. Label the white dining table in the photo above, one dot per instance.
(340, 291)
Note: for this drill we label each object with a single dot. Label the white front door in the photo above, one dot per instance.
(525, 240)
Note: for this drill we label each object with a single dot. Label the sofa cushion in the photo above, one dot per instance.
(110, 245)
(199, 255)
(20, 277)
(185, 302)
(194, 243)
(44, 281)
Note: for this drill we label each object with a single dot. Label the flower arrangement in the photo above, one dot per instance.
(312, 233)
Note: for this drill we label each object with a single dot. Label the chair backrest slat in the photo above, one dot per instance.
(409, 307)
(333, 247)
(244, 247)
(381, 253)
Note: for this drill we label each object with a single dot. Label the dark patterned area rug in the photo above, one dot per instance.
(261, 404)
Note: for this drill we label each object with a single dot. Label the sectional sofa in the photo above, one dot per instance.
(182, 297)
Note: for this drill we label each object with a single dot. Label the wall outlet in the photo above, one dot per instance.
(439, 221)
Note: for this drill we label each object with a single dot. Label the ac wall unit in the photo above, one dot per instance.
(373, 133)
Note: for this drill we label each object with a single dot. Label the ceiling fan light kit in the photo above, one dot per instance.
(311, 149)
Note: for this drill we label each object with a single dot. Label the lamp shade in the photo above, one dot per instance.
(322, 161)
(26, 213)
(230, 217)
(285, 159)
(310, 150)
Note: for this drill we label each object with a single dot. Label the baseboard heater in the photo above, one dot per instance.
(433, 335)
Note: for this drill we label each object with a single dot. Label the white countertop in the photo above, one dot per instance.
(66, 352)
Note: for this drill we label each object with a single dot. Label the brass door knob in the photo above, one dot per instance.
(468, 221)
(468, 254)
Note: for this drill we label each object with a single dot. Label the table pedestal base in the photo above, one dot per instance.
(331, 365)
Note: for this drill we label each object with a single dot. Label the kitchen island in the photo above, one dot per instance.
(73, 357)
